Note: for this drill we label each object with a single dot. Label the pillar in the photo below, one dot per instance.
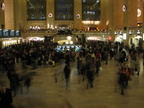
(125, 9)
(9, 14)
(78, 14)
(143, 25)
(50, 13)
(2, 10)
(20, 14)
(110, 17)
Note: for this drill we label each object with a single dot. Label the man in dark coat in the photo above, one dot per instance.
(67, 73)
(5, 97)
(90, 78)
(122, 82)
(14, 83)
(97, 65)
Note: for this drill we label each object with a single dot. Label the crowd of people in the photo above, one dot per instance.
(93, 53)
(88, 61)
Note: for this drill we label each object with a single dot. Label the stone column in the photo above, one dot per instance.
(125, 9)
(9, 14)
(110, 18)
(50, 14)
(143, 25)
(2, 10)
(20, 14)
(78, 14)
(104, 14)
(132, 19)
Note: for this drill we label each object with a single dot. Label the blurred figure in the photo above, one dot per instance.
(122, 81)
(90, 78)
(67, 58)
(27, 83)
(112, 52)
(106, 55)
(79, 62)
(5, 97)
(137, 67)
(97, 65)
(67, 74)
(14, 83)
(127, 71)
(83, 70)
(73, 55)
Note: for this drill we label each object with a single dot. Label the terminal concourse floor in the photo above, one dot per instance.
(46, 93)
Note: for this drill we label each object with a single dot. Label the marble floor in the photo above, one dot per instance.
(46, 93)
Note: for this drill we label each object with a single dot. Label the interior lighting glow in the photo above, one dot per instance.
(138, 32)
(115, 32)
(71, 42)
(138, 12)
(124, 36)
(3, 6)
(110, 38)
(69, 38)
(66, 42)
(92, 38)
(91, 22)
(138, 37)
(107, 23)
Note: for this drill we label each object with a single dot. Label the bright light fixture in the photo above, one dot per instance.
(138, 12)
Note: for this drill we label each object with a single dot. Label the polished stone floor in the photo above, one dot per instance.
(46, 93)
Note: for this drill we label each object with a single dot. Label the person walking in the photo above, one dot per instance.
(106, 57)
(67, 74)
(14, 83)
(5, 97)
(90, 78)
(127, 71)
(27, 83)
(97, 65)
(79, 62)
(122, 82)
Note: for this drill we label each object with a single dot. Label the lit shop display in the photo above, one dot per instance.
(96, 38)
(36, 39)
(6, 43)
(64, 48)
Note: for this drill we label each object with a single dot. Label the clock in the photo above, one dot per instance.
(78, 15)
(124, 8)
(50, 15)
